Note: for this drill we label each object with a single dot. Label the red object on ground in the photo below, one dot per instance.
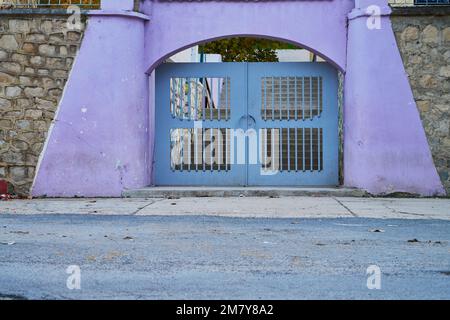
(3, 187)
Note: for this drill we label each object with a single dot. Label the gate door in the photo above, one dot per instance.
(196, 106)
(293, 107)
(246, 124)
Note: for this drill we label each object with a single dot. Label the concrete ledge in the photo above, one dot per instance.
(41, 11)
(363, 12)
(276, 192)
(64, 12)
(118, 13)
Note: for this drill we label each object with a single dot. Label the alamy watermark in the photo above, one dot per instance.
(74, 21)
(374, 20)
(73, 281)
(374, 277)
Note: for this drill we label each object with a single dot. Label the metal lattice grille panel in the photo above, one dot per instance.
(291, 98)
(292, 149)
(200, 149)
(200, 98)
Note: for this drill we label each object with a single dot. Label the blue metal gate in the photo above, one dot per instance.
(246, 124)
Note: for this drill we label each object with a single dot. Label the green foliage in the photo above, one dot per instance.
(245, 49)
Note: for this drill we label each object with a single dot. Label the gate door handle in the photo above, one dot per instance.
(251, 122)
(247, 121)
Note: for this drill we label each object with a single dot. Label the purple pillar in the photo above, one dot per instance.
(98, 144)
(385, 147)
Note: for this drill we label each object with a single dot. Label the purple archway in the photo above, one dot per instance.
(179, 24)
(100, 143)
(260, 36)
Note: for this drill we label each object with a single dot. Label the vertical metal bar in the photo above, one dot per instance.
(289, 148)
(195, 129)
(273, 98)
(265, 98)
(318, 96)
(219, 147)
(303, 147)
(181, 107)
(223, 134)
(318, 148)
(189, 149)
(189, 98)
(279, 96)
(272, 147)
(229, 101)
(223, 149)
(211, 99)
(203, 150)
(295, 92)
(303, 98)
(281, 148)
(226, 98)
(219, 102)
(203, 100)
(196, 148)
(173, 164)
(226, 150)
(296, 151)
(288, 109)
(196, 100)
(321, 95)
(211, 144)
(310, 98)
(321, 147)
(265, 148)
(182, 149)
(311, 149)
(171, 97)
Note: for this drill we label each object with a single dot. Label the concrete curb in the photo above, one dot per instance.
(228, 192)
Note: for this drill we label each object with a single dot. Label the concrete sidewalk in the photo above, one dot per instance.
(244, 207)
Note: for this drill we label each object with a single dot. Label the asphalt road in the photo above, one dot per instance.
(197, 257)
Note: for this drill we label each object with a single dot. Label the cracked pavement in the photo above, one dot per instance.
(225, 248)
(205, 257)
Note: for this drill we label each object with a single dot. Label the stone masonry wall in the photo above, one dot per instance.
(424, 42)
(36, 56)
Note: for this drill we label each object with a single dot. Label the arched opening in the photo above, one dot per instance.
(293, 44)
(245, 111)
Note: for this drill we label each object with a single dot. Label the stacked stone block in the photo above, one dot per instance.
(36, 56)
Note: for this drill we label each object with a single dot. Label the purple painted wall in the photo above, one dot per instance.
(386, 149)
(99, 142)
(102, 139)
(320, 26)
